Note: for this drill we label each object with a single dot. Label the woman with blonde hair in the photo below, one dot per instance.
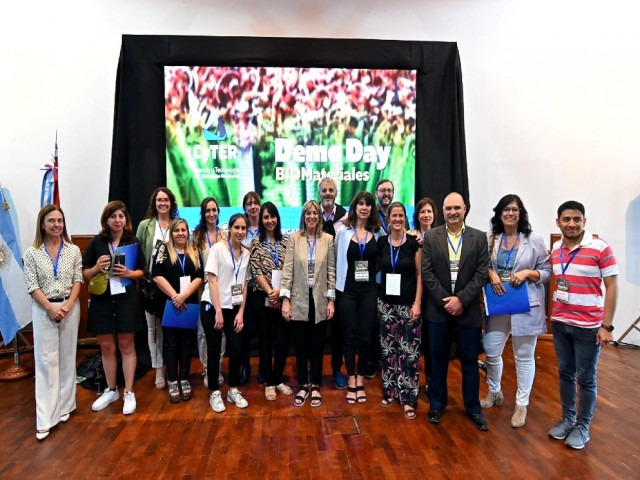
(53, 272)
(308, 294)
(178, 273)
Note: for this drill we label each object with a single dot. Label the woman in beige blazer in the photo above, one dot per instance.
(308, 293)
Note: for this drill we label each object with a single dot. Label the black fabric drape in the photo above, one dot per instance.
(138, 162)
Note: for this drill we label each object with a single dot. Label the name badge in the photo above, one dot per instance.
(276, 278)
(236, 295)
(393, 284)
(505, 276)
(362, 271)
(184, 283)
(115, 286)
(311, 270)
(562, 292)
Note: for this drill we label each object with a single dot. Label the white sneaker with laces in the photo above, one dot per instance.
(216, 402)
(129, 403)
(108, 397)
(234, 396)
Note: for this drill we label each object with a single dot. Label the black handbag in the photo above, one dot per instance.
(153, 298)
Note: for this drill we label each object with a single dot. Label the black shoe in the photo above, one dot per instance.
(245, 374)
(372, 369)
(479, 421)
(434, 415)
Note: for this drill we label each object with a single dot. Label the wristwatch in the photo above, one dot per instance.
(608, 328)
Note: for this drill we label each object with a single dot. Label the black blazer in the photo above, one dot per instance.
(472, 275)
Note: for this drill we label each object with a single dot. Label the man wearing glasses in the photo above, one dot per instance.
(384, 194)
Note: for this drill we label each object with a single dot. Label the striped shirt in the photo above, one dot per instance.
(593, 261)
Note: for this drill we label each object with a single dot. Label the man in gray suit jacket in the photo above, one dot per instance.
(455, 265)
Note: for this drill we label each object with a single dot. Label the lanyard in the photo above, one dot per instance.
(312, 248)
(181, 260)
(274, 254)
(55, 264)
(508, 253)
(163, 232)
(112, 249)
(455, 249)
(252, 233)
(383, 221)
(330, 216)
(362, 246)
(571, 257)
(394, 260)
(233, 259)
(209, 240)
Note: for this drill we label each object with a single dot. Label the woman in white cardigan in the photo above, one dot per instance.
(520, 258)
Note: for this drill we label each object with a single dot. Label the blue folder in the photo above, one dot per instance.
(130, 260)
(514, 300)
(187, 318)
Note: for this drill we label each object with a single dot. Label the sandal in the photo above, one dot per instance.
(301, 397)
(174, 392)
(316, 398)
(161, 383)
(409, 412)
(362, 397)
(270, 393)
(351, 400)
(387, 402)
(284, 389)
(185, 388)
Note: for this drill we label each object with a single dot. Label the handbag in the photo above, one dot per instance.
(153, 298)
(98, 283)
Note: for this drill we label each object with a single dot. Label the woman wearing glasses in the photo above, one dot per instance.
(518, 257)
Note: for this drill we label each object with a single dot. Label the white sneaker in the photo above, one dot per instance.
(107, 398)
(129, 403)
(234, 396)
(215, 400)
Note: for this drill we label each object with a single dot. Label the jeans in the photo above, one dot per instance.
(577, 354)
(494, 340)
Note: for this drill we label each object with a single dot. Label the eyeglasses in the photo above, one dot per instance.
(385, 190)
(511, 210)
(163, 200)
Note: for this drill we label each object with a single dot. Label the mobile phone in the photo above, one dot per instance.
(118, 259)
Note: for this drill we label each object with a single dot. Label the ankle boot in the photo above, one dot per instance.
(492, 399)
(519, 417)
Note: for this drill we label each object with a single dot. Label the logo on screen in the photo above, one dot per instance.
(210, 136)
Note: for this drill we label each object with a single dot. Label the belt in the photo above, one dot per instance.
(58, 300)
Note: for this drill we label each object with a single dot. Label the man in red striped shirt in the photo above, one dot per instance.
(582, 318)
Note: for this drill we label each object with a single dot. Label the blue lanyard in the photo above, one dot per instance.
(274, 254)
(209, 240)
(312, 248)
(112, 249)
(182, 260)
(394, 260)
(55, 264)
(508, 253)
(362, 246)
(330, 217)
(252, 233)
(455, 249)
(383, 221)
(571, 257)
(233, 259)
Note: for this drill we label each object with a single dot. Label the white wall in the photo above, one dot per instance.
(551, 97)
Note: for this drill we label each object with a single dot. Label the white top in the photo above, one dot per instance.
(220, 264)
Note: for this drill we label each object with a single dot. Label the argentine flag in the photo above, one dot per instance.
(15, 302)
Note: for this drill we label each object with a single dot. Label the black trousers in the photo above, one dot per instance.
(274, 333)
(178, 345)
(308, 338)
(441, 335)
(358, 312)
(214, 344)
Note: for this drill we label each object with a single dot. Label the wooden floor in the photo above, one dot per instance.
(276, 440)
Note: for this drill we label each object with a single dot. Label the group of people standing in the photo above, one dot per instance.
(389, 294)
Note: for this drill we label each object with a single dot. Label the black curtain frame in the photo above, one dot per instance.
(138, 159)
